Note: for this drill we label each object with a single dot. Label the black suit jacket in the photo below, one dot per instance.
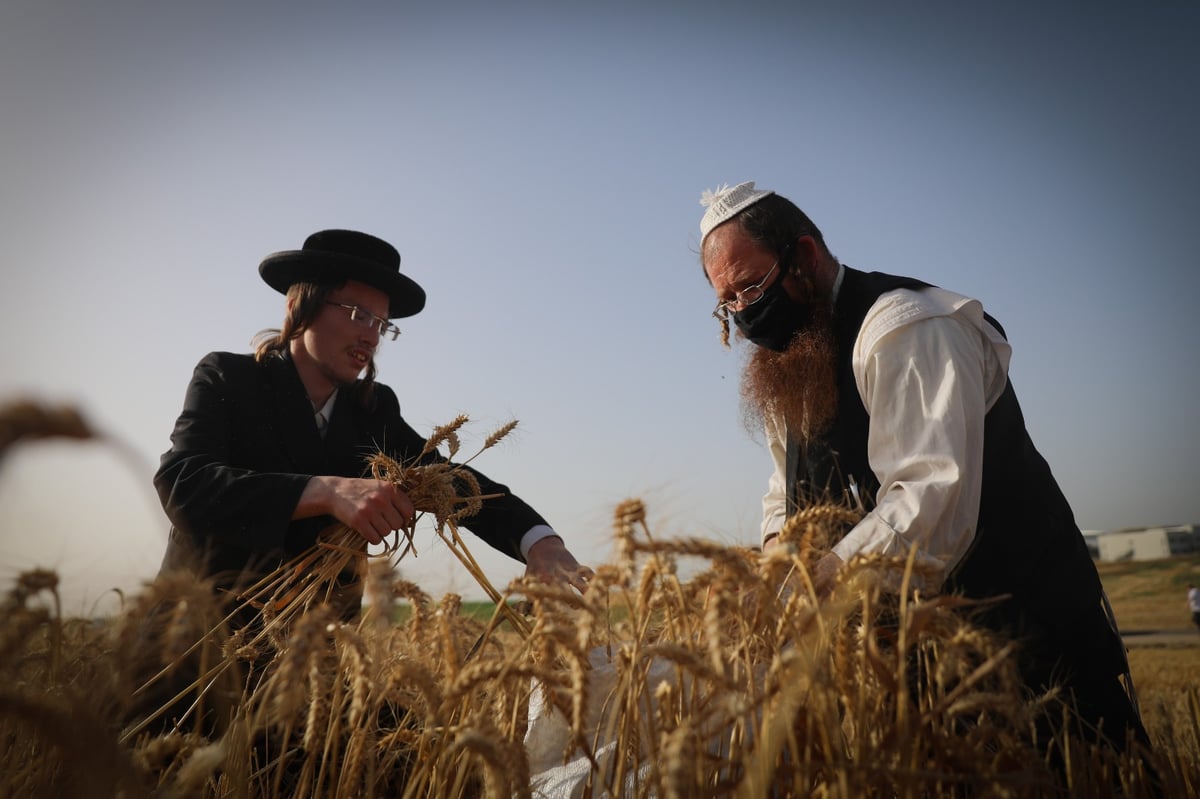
(244, 448)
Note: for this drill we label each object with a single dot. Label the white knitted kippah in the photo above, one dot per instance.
(724, 203)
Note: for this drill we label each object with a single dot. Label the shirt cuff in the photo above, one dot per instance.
(535, 534)
(767, 535)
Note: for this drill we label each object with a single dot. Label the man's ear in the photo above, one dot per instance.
(804, 254)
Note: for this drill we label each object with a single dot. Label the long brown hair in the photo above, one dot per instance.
(305, 301)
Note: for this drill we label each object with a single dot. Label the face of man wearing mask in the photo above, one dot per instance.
(775, 304)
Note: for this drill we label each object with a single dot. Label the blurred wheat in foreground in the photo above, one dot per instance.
(733, 682)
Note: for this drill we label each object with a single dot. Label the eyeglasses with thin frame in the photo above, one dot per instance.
(365, 318)
(744, 298)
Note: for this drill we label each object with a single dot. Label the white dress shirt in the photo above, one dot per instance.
(323, 414)
(927, 366)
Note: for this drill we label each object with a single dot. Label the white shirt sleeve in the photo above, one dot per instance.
(533, 535)
(775, 500)
(927, 367)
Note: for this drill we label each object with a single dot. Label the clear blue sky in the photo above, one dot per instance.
(539, 166)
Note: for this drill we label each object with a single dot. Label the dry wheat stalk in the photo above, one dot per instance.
(719, 687)
(721, 684)
(28, 419)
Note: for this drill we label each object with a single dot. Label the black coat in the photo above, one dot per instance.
(244, 448)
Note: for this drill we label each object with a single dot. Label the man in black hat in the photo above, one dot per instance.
(271, 448)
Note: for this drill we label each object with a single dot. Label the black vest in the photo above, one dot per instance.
(1026, 544)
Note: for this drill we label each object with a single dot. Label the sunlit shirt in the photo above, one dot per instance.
(535, 534)
(928, 367)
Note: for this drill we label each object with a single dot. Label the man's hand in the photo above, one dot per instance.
(823, 574)
(372, 508)
(549, 560)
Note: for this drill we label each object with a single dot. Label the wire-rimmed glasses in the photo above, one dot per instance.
(746, 297)
(386, 330)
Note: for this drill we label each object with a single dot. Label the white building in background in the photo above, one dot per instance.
(1143, 543)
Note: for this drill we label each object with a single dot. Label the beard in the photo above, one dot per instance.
(798, 385)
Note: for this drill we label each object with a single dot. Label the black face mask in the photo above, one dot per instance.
(773, 320)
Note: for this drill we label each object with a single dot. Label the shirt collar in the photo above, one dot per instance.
(326, 410)
(837, 284)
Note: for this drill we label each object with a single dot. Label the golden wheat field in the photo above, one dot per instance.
(732, 681)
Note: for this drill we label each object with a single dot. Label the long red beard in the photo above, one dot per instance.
(798, 384)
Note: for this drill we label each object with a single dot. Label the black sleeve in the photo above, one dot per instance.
(502, 521)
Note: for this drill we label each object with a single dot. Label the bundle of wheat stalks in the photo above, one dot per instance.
(734, 681)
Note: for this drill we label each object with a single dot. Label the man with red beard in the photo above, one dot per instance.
(893, 395)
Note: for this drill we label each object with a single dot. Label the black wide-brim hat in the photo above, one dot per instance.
(335, 256)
